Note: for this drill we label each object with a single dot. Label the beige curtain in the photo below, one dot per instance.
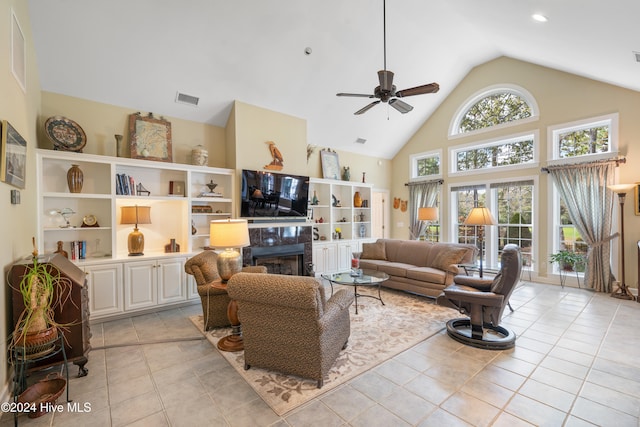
(583, 188)
(421, 194)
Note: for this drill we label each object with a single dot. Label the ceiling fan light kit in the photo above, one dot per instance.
(386, 92)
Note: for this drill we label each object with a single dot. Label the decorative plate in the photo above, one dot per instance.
(65, 134)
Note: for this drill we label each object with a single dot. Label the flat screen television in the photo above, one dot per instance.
(273, 195)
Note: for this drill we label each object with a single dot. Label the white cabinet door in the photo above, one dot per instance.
(192, 287)
(140, 285)
(171, 280)
(325, 258)
(105, 289)
(345, 250)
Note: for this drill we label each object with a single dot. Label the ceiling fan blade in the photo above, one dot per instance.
(401, 106)
(358, 95)
(366, 108)
(386, 80)
(419, 90)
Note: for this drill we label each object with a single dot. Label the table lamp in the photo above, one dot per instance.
(480, 217)
(136, 215)
(229, 234)
(428, 214)
(622, 291)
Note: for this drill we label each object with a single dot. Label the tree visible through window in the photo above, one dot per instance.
(500, 154)
(585, 141)
(495, 109)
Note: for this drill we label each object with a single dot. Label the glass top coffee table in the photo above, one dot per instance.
(364, 278)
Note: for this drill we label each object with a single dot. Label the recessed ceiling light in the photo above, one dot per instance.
(540, 18)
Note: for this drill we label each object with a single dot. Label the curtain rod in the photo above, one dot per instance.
(439, 181)
(575, 165)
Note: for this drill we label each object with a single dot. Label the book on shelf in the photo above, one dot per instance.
(210, 194)
(125, 185)
(78, 250)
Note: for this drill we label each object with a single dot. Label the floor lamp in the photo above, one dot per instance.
(428, 214)
(622, 291)
(480, 217)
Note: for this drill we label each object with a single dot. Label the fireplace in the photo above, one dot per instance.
(283, 249)
(283, 259)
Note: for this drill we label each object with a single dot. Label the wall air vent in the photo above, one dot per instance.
(361, 141)
(183, 98)
(637, 56)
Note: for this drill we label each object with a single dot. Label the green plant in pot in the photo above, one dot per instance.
(42, 289)
(567, 261)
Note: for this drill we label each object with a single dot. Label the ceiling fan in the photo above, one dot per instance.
(386, 92)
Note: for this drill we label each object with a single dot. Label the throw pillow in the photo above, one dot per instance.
(448, 257)
(373, 251)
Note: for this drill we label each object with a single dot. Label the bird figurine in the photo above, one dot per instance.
(276, 163)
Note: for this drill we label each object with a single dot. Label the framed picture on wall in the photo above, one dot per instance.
(330, 164)
(150, 138)
(14, 156)
(637, 198)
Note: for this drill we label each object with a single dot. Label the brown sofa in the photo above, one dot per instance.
(421, 267)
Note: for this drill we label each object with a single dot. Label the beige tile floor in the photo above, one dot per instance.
(575, 364)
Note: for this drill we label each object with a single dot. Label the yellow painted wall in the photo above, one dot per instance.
(102, 121)
(562, 98)
(21, 110)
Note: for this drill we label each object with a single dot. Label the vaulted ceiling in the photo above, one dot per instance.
(140, 53)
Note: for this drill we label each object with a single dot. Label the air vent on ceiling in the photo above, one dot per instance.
(183, 98)
(637, 56)
(361, 140)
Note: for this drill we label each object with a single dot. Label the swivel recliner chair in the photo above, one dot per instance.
(484, 300)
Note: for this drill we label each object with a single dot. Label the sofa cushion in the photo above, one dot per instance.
(373, 251)
(427, 274)
(448, 257)
(395, 268)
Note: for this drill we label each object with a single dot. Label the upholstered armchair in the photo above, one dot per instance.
(484, 300)
(288, 325)
(214, 301)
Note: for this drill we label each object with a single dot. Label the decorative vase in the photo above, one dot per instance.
(314, 200)
(357, 200)
(199, 156)
(75, 179)
(363, 231)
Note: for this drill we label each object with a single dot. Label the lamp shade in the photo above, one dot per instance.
(229, 233)
(427, 214)
(621, 188)
(136, 215)
(480, 216)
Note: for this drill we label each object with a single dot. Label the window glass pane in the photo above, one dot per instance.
(493, 110)
(428, 166)
(584, 141)
(500, 154)
(569, 238)
(515, 226)
(467, 199)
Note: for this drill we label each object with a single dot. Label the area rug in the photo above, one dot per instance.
(378, 332)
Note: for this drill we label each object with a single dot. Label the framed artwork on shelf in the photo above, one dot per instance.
(14, 156)
(330, 164)
(150, 138)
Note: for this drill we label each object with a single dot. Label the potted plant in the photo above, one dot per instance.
(42, 289)
(567, 261)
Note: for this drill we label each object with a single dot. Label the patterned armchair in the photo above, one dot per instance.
(288, 325)
(203, 267)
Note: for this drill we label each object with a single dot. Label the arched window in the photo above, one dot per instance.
(496, 106)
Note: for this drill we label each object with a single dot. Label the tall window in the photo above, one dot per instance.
(495, 106)
(464, 199)
(592, 138)
(514, 213)
(511, 204)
